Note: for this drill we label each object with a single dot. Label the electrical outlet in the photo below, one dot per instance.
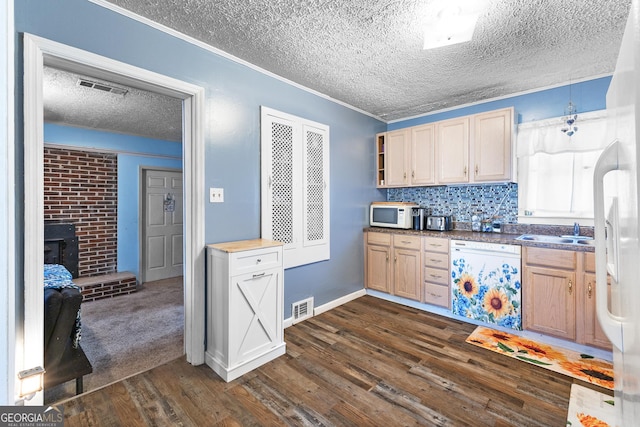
(216, 195)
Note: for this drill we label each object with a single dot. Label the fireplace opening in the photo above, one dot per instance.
(61, 245)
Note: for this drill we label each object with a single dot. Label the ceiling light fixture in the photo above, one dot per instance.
(570, 118)
(453, 22)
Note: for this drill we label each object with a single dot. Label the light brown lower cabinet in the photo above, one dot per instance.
(558, 294)
(393, 264)
(436, 271)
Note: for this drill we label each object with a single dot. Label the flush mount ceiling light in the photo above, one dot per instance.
(451, 22)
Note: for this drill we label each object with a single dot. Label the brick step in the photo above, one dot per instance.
(107, 285)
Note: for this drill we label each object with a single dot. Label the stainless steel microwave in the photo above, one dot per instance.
(391, 214)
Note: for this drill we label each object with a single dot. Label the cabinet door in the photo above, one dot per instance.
(255, 314)
(492, 146)
(396, 157)
(406, 273)
(592, 333)
(423, 148)
(378, 272)
(452, 151)
(549, 301)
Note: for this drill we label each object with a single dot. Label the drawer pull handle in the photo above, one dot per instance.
(435, 260)
(258, 275)
(435, 245)
(406, 242)
(435, 276)
(435, 295)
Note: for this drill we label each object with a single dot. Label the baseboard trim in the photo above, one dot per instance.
(331, 304)
(338, 302)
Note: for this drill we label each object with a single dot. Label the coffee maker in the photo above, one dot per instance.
(419, 218)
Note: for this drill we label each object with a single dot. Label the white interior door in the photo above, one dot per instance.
(163, 225)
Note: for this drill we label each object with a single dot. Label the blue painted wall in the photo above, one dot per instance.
(234, 94)
(589, 95)
(134, 153)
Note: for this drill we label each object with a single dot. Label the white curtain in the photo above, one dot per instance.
(555, 171)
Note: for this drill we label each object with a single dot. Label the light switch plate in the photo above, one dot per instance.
(216, 195)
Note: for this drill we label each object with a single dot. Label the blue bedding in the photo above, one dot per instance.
(56, 276)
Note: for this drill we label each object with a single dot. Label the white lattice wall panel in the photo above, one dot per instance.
(281, 185)
(315, 187)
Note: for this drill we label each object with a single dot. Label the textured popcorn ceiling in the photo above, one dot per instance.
(369, 54)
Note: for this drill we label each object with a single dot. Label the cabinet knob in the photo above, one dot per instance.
(413, 174)
(589, 289)
(570, 287)
(476, 169)
(258, 261)
(465, 171)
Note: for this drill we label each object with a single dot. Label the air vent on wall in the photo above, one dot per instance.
(103, 87)
(302, 310)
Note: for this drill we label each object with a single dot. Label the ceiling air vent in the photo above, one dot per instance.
(102, 86)
(302, 310)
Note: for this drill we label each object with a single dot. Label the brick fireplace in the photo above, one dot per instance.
(81, 187)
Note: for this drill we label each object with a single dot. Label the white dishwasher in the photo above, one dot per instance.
(486, 283)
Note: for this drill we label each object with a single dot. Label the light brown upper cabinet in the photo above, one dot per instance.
(397, 154)
(475, 148)
(423, 146)
(452, 151)
(491, 148)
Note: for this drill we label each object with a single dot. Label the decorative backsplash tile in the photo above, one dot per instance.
(462, 201)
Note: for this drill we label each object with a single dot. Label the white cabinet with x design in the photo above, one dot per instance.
(244, 306)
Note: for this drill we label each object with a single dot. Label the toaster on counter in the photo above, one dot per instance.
(438, 223)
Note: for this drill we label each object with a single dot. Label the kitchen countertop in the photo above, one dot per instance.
(504, 238)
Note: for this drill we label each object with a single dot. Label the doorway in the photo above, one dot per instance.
(37, 53)
(161, 225)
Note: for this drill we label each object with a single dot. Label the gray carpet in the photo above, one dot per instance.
(128, 334)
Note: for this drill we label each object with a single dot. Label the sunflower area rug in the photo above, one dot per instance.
(577, 365)
(590, 408)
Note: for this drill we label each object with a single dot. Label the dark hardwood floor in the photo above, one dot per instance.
(368, 362)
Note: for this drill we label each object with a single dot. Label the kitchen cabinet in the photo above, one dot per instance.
(244, 306)
(436, 271)
(423, 148)
(559, 295)
(491, 150)
(397, 156)
(589, 331)
(406, 157)
(378, 254)
(548, 294)
(393, 264)
(475, 148)
(406, 266)
(452, 151)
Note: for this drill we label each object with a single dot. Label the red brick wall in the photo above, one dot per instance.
(82, 187)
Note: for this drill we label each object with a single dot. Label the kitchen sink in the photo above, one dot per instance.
(567, 240)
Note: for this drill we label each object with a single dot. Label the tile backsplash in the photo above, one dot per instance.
(462, 201)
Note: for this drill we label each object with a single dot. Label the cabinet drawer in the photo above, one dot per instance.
(436, 244)
(590, 262)
(550, 258)
(436, 294)
(436, 275)
(436, 259)
(406, 241)
(257, 259)
(379, 238)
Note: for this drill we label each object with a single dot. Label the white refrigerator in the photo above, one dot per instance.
(617, 227)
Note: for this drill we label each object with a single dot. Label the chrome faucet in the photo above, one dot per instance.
(576, 229)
